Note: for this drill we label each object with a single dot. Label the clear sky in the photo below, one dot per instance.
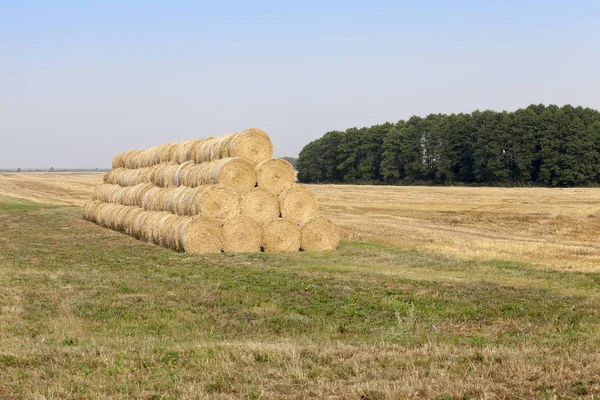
(83, 80)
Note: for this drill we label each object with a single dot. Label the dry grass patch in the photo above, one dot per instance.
(88, 312)
(546, 228)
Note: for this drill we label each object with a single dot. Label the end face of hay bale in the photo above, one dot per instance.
(201, 236)
(275, 175)
(252, 145)
(280, 235)
(220, 202)
(241, 235)
(319, 234)
(236, 173)
(298, 203)
(259, 205)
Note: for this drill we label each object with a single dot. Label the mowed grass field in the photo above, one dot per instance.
(434, 293)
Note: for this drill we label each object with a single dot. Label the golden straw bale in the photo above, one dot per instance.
(259, 205)
(201, 235)
(318, 234)
(171, 151)
(218, 201)
(297, 203)
(252, 145)
(170, 234)
(204, 150)
(151, 199)
(182, 154)
(117, 161)
(280, 235)
(241, 235)
(130, 218)
(140, 193)
(193, 155)
(234, 172)
(184, 201)
(215, 148)
(275, 175)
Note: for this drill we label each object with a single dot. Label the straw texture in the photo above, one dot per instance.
(219, 193)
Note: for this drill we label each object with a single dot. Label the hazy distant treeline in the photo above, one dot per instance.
(538, 145)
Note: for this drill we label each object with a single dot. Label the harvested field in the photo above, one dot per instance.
(87, 312)
(67, 188)
(548, 228)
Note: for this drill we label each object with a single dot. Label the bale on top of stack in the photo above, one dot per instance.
(210, 195)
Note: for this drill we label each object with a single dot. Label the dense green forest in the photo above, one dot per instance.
(537, 145)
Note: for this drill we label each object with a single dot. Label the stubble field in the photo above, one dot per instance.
(434, 293)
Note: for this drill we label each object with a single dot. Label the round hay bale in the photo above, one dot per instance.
(140, 193)
(318, 234)
(184, 202)
(194, 205)
(252, 145)
(234, 172)
(280, 235)
(275, 175)
(112, 175)
(119, 219)
(162, 230)
(297, 203)
(139, 223)
(176, 180)
(175, 233)
(219, 202)
(166, 175)
(152, 173)
(204, 174)
(98, 193)
(150, 199)
(92, 212)
(259, 205)
(130, 218)
(85, 209)
(117, 161)
(185, 176)
(173, 199)
(129, 195)
(215, 148)
(144, 175)
(171, 151)
(183, 151)
(241, 235)
(201, 235)
(203, 151)
(193, 154)
(153, 226)
(170, 235)
(163, 151)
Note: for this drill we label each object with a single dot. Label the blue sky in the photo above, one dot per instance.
(83, 80)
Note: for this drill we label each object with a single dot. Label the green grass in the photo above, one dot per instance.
(86, 312)
(13, 204)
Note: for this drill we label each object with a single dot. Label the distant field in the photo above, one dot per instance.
(545, 228)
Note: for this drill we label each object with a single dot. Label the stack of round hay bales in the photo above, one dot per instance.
(215, 194)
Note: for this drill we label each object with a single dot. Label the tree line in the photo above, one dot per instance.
(538, 145)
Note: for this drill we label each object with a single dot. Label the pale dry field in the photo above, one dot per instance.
(547, 228)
